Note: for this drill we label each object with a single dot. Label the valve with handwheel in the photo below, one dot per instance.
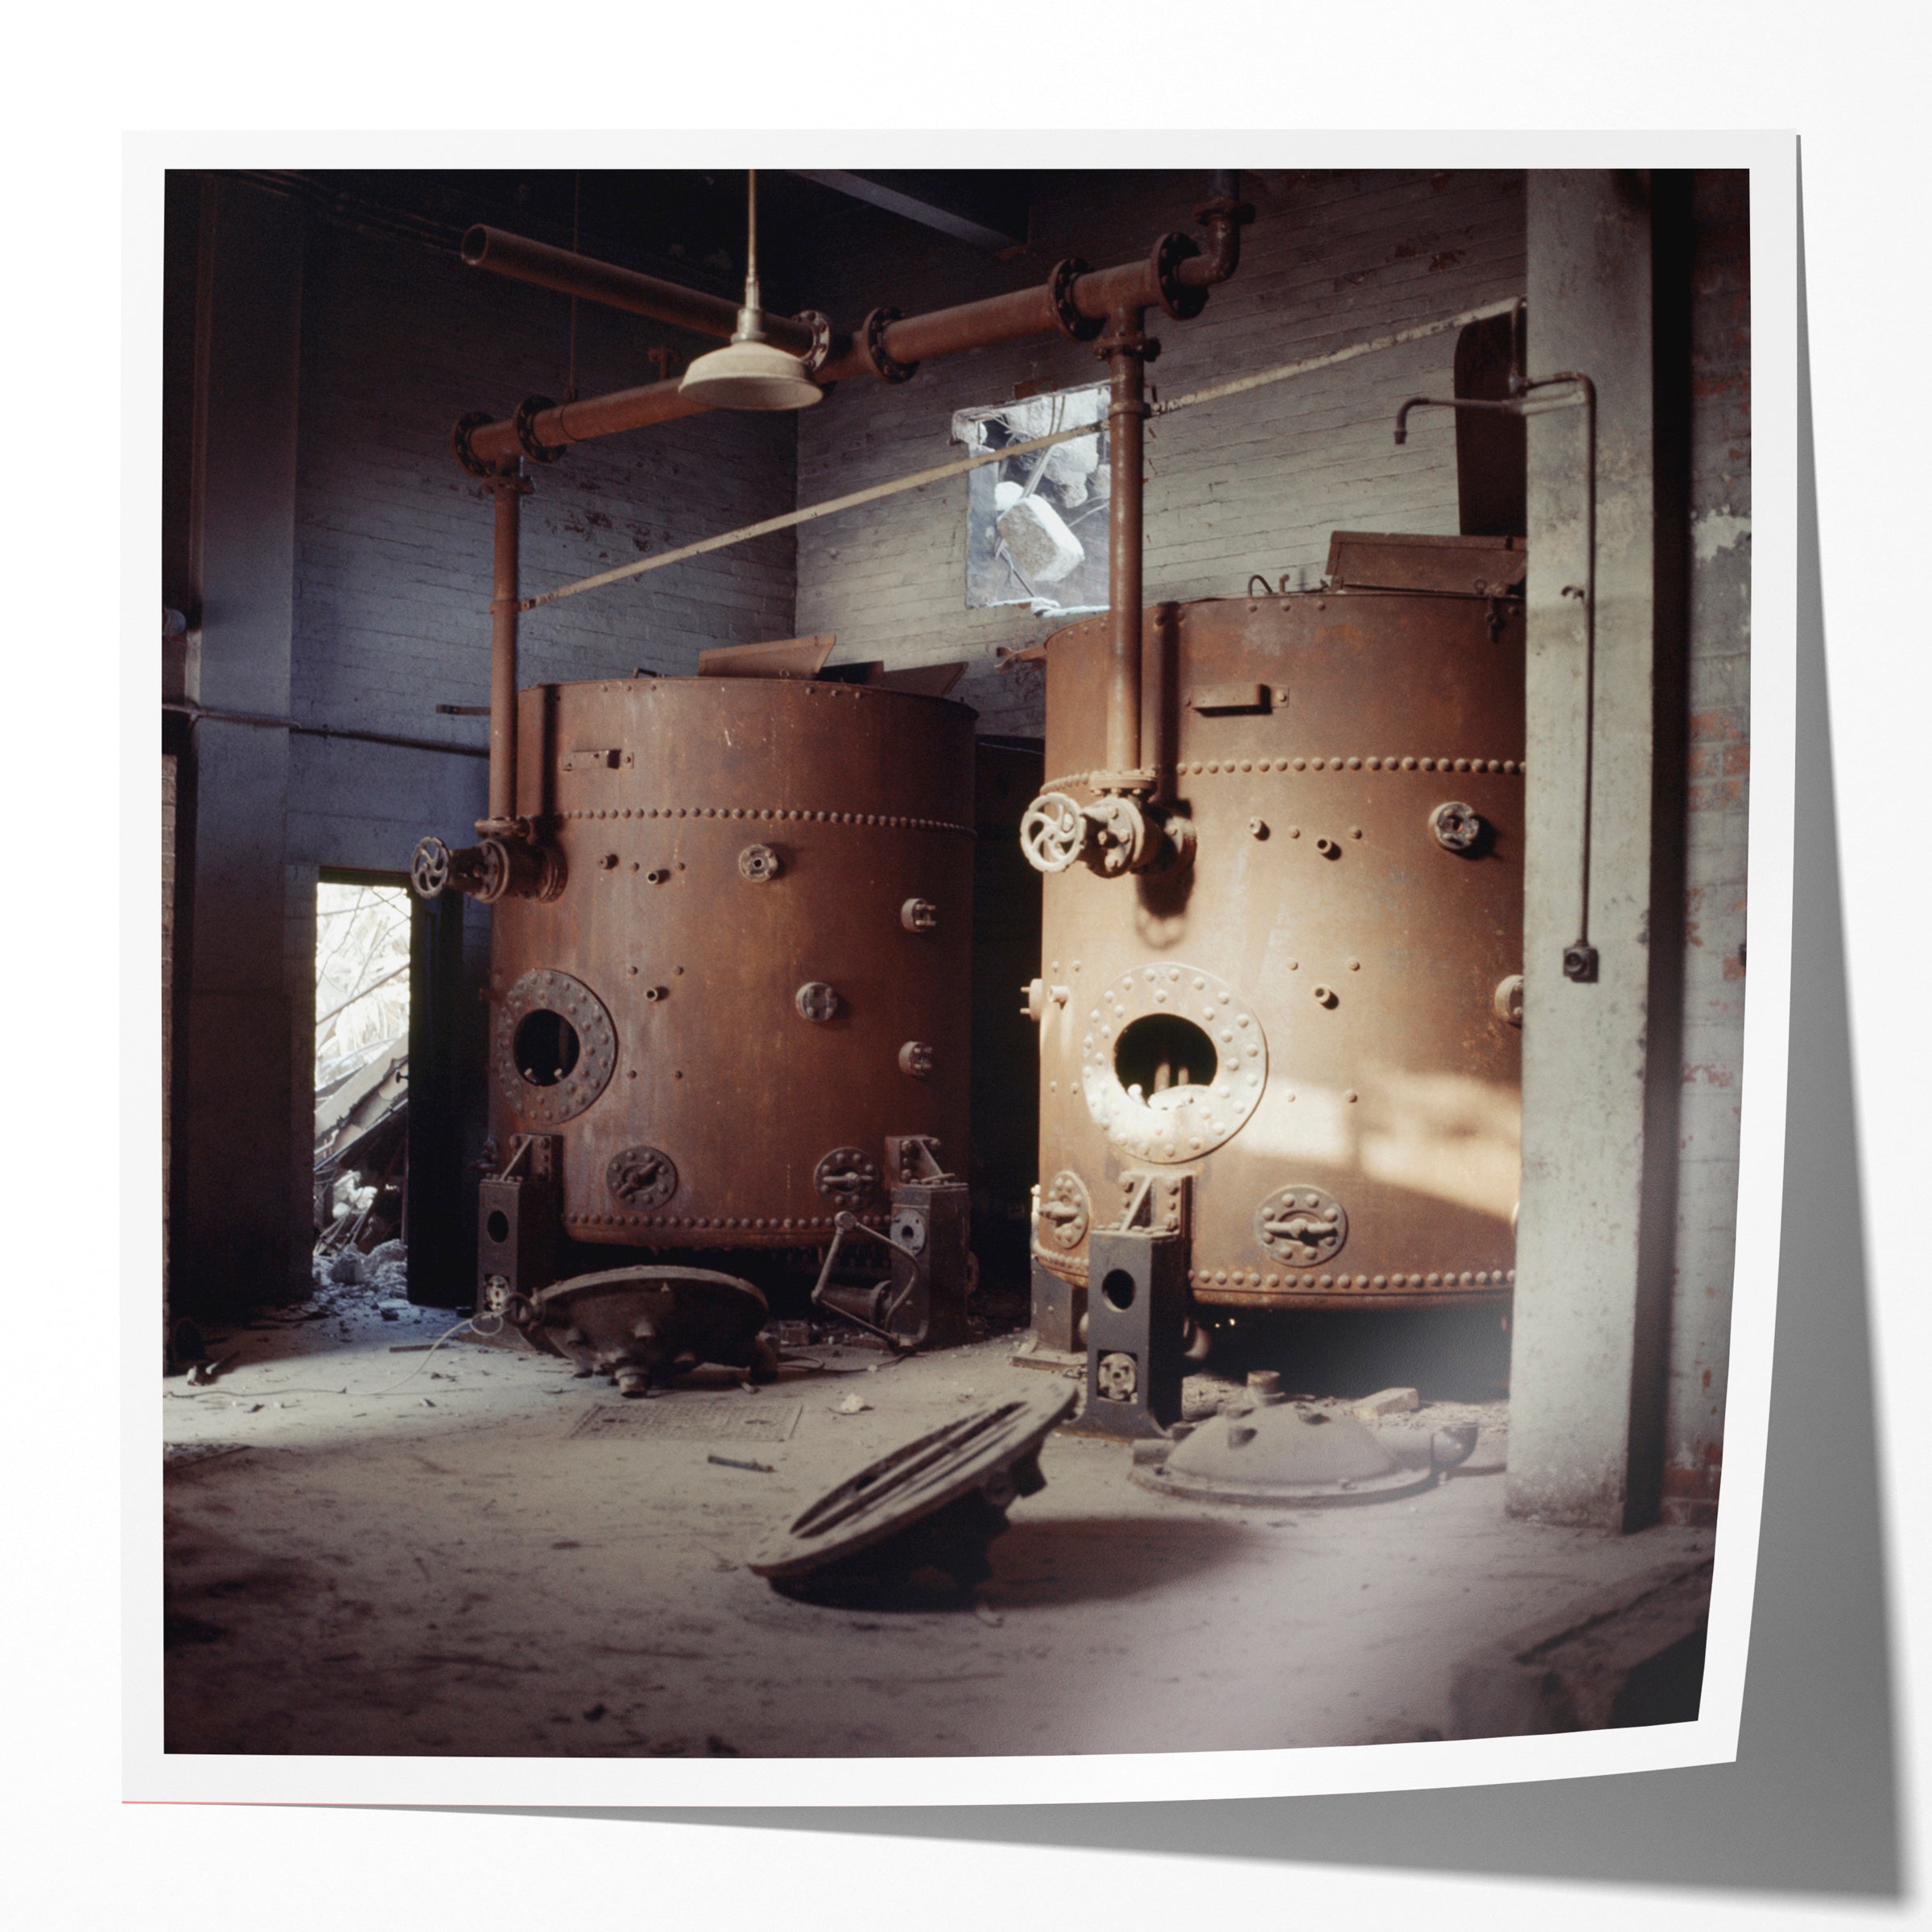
(1116, 834)
(492, 869)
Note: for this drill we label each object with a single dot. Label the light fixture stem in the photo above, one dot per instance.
(749, 330)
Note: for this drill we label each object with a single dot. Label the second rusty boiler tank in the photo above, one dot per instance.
(1314, 1014)
(757, 969)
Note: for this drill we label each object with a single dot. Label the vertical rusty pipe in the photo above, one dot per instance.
(1126, 420)
(508, 491)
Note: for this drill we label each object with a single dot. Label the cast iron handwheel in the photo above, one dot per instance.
(429, 868)
(1053, 833)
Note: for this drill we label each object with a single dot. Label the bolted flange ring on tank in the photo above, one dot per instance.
(1066, 1212)
(1301, 1225)
(578, 1076)
(642, 1177)
(1173, 1016)
(847, 1174)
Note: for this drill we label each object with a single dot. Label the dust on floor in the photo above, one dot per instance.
(493, 1558)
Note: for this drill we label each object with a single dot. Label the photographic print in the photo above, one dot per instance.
(957, 964)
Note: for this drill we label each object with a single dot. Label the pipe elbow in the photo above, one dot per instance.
(1223, 219)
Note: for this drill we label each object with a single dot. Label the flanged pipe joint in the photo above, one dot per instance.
(492, 869)
(1112, 836)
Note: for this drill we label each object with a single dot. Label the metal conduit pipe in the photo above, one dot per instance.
(504, 591)
(569, 274)
(1126, 345)
(494, 445)
(1173, 278)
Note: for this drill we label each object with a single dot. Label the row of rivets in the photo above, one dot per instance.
(883, 819)
(801, 1223)
(1250, 1277)
(1197, 767)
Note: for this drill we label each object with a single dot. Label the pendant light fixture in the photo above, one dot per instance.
(748, 372)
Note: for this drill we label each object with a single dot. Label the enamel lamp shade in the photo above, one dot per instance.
(748, 372)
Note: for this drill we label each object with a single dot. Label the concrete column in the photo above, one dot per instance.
(1598, 1199)
(231, 1219)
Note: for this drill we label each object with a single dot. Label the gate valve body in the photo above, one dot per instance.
(493, 869)
(1114, 834)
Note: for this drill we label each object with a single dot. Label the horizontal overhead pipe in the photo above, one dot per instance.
(523, 260)
(1093, 297)
(496, 445)
(1172, 279)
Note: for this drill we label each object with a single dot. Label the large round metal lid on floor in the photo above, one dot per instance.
(640, 1323)
(1266, 1448)
(938, 1499)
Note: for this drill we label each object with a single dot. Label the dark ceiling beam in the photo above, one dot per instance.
(986, 209)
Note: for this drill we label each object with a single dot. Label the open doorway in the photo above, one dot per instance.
(363, 953)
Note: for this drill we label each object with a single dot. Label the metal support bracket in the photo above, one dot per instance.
(519, 1223)
(1136, 1311)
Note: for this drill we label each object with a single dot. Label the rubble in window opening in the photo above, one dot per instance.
(361, 1118)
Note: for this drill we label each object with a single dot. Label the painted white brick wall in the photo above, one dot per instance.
(1255, 483)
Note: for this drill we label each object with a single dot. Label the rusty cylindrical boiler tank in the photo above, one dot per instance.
(756, 973)
(1314, 1016)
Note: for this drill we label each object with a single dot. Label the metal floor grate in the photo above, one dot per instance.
(697, 1419)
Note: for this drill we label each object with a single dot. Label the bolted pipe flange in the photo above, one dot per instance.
(919, 915)
(486, 877)
(915, 1060)
(1067, 319)
(524, 422)
(459, 434)
(820, 325)
(1130, 342)
(1119, 837)
(872, 336)
(1180, 301)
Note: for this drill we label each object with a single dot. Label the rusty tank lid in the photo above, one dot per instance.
(1267, 1447)
(938, 1499)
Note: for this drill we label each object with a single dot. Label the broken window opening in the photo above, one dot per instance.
(361, 1076)
(1036, 524)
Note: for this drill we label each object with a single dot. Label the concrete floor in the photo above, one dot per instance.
(496, 1559)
